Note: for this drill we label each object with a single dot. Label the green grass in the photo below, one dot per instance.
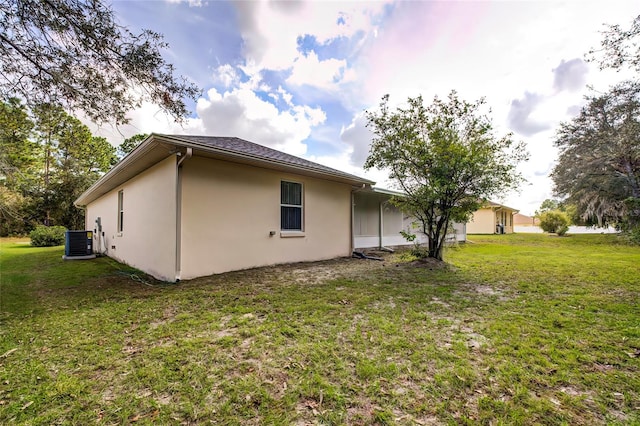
(520, 329)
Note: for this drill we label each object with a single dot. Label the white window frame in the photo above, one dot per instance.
(120, 211)
(293, 232)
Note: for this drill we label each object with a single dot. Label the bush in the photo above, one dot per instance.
(634, 235)
(554, 221)
(417, 250)
(47, 236)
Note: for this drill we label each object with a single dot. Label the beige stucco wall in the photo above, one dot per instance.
(229, 209)
(148, 240)
(483, 221)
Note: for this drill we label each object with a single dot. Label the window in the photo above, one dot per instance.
(120, 210)
(290, 206)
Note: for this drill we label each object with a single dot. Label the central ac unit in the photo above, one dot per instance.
(78, 245)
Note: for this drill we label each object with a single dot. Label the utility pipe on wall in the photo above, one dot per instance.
(181, 159)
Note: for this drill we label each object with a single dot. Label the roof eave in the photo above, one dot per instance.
(268, 163)
(109, 181)
(89, 194)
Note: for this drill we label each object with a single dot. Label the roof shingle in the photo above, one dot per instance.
(243, 147)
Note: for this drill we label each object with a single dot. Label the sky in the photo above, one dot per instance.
(298, 76)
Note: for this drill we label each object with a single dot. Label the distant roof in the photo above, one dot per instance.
(158, 147)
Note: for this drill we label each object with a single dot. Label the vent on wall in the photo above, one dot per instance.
(78, 245)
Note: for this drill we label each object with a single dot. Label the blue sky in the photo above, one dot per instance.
(297, 76)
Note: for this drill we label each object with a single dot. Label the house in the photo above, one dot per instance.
(181, 207)
(492, 218)
(520, 219)
(377, 222)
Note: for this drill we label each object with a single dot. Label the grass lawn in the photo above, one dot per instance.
(520, 329)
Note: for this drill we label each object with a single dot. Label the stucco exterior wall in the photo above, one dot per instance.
(483, 221)
(229, 210)
(148, 238)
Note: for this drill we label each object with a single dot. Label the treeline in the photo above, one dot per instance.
(598, 167)
(47, 159)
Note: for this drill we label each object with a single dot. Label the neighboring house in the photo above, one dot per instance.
(492, 218)
(377, 222)
(520, 219)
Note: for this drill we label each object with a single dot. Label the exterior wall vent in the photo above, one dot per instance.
(78, 245)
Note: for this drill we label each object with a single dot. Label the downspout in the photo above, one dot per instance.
(188, 154)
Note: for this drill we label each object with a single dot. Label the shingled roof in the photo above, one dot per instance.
(158, 147)
(249, 149)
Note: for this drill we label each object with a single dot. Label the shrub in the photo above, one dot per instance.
(554, 221)
(417, 250)
(47, 236)
(634, 235)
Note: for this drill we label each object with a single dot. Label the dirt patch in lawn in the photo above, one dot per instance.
(304, 272)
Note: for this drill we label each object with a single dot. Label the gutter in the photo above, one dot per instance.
(294, 167)
(120, 167)
(181, 159)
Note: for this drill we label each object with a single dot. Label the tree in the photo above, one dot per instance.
(554, 222)
(16, 151)
(547, 205)
(598, 168)
(564, 206)
(71, 160)
(130, 144)
(73, 53)
(445, 157)
(619, 47)
(47, 158)
(18, 159)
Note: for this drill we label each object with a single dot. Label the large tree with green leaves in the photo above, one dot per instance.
(619, 47)
(598, 168)
(445, 157)
(18, 162)
(71, 160)
(130, 144)
(48, 159)
(75, 54)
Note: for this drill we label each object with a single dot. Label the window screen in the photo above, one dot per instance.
(290, 206)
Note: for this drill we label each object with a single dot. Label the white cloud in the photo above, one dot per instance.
(358, 137)
(192, 3)
(322, 74)
(242, 113)
(570, 75)
(238, 112)
(286, 96)
(520, 115)
(270, 31)
(226, 75)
